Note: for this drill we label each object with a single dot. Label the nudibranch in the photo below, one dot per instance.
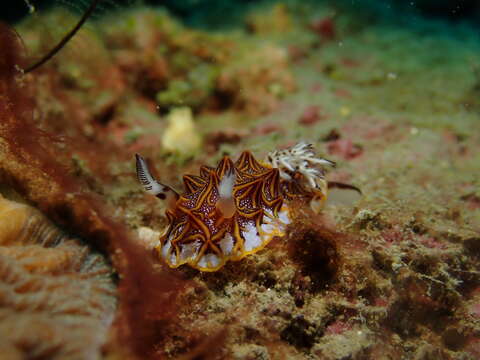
(235, 209)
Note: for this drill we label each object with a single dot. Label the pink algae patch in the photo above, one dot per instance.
(473, 347)
(296, 53)
(338, 327)
(350, 62)
(380, 302)
(343, 93)
(378, 131)
(311, 115)
(432, 243)
(317, 87)
(472, 200)
(324, 27)
(344, 148)
(268, 128)
(395, 235)
(475, 310)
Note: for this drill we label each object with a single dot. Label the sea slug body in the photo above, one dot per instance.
(237, 208)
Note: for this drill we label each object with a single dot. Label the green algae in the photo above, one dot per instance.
(193, 91)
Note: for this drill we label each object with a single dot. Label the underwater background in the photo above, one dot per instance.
(388, 90)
